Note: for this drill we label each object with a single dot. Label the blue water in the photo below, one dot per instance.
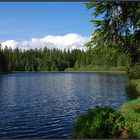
(44, 105)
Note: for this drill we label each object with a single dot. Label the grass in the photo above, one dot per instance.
(70, 70)
(113, 70)
(97, 68)
(131, 111)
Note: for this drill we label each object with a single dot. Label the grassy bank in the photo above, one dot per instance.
(112, 70)
(131, 109)
(73, 71)
(121, 72)
(88, 68)
(96, 68)
(131, 112)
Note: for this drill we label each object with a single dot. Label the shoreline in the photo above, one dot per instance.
(107, 72)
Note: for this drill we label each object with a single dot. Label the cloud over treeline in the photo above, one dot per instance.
(69, 41)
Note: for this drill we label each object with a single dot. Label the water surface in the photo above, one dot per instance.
(44, 105)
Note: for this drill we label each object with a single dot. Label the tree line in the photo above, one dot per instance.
(57, 60)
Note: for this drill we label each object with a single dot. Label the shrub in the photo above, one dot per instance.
(99, 122)
(134, 72)
(133, 88)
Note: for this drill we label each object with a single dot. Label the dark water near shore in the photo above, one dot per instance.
(44, 105)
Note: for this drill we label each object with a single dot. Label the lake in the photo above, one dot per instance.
(45, 105)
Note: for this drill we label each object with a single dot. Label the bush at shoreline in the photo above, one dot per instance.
(101, 122)
(133, 88)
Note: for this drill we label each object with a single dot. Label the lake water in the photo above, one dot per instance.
(44, 105)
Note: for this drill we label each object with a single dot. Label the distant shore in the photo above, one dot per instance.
(108, 72)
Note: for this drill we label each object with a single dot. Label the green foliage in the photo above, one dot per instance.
(118, 27)
(131, 111)
(133, 88)
(134, 72)
(99, 122)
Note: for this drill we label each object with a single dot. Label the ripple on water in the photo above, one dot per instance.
(45, 105)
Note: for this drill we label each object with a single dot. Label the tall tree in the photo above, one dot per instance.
(117, 25)
(3, 61)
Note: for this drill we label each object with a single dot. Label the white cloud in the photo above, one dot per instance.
(69, 41)
(9, 43)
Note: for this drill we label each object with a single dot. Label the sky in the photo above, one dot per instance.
(37, 24)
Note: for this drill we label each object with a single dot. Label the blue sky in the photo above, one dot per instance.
(25, 20)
